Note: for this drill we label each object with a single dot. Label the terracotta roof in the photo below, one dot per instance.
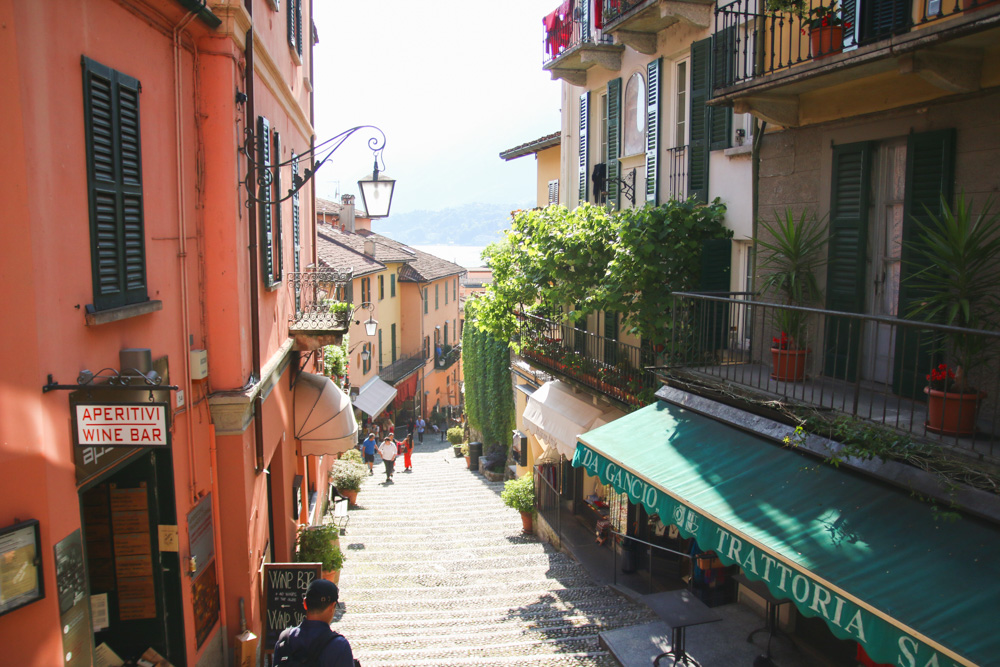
(334, 253)
(424, 267)
(327, 206)
(540, 144)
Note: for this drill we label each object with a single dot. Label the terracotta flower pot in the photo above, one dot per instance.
(826, 40)
(332, 575)
(526, 525)
(468, 463)
(351, 495)
(788, 365)
(950, 413)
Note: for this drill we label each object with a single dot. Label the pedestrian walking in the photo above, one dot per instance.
(420, 428)
(368, 449)
(388, 452)
(312, 642)
(407, 445)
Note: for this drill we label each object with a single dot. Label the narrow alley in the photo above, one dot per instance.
(437, 572)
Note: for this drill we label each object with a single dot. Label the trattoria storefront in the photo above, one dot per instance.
(878, 566)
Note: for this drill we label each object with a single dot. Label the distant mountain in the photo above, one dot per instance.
(470, 225)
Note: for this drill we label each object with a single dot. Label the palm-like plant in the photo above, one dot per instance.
(958, 255)
(790, 259)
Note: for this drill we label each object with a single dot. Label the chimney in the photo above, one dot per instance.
(347, 213)
(370, 248)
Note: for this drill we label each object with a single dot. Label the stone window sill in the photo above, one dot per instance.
(95, 317)
(735, 151)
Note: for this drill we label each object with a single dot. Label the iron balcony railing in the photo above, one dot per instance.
(870, 367)
(677, 175)
(446, 358)
(567, 28)
(609, 366)
(401, 368)
(313, 292)
(617, 9)
(750, 42)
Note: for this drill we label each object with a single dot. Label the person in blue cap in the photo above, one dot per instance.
(312, 642)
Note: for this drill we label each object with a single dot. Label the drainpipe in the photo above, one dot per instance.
(251, 181)
(758, 139)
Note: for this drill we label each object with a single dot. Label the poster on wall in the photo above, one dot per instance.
(74, 604)
(21, 580)
(205, 598)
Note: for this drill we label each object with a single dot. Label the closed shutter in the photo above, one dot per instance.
(882, 18)
(614, 140)
(296, 239)
(276, 235)
(698, 139)
(848, 255)
(582, 154)
(264, 197)
(293, 28)
(712, 317)
(930, 175)
(723, 71)
(298, 26)
(392, 284)
(114, 179)
(653, 70)
(392, 331)
(553, 192)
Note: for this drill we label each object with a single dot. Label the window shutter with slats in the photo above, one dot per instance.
(114, 178)
(698, 139)
(293, 28)
(264, 197)
(614, 140)
(296, 240)
(584, 115)
(653, 130)
(723, 69)
(277, 250)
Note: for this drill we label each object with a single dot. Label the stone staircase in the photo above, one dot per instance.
(438, 573)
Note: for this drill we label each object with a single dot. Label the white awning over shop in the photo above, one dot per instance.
(324, 421)
(556, 416)
(374, 396)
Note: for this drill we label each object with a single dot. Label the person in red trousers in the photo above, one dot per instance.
(407, 452)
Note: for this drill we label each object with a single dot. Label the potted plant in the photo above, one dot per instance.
(455, 435)
(520, 494)
(464, 449)
(792, 253)
(341, 311)
(826, 30)
(348, 475)
(957, 260)
(320, 544)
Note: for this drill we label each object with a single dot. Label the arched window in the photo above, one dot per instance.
(634, 106)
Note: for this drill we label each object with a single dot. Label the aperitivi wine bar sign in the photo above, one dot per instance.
(121, 424)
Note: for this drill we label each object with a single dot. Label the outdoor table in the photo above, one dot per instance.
(679, 609)
(771, 613)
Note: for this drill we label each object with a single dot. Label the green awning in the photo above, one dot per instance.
(880, 567)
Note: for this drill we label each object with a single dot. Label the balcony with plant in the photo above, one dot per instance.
(572, 43)
(319, 318)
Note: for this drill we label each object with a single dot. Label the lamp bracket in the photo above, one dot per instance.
(627, 186)
(115, 379)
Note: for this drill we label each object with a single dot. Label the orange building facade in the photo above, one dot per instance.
(134, 252)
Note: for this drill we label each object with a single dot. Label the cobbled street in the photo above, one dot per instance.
(439, 573)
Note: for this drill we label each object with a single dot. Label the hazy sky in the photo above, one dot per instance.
(450, 82)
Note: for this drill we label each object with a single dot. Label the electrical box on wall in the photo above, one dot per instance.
(199, 364)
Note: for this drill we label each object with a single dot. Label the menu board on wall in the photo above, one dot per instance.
(133, 552)
(205, 598)
(285, 586)
(20, 566)
(74, 605)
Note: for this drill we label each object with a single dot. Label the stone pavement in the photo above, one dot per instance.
(438, 573)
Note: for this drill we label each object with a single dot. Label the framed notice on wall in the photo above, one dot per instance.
(21, 579)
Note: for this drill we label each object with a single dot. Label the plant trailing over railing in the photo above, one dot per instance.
(335, 362)
(627, 262)
(489, 396)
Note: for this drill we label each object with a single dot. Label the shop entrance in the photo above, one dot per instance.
(128, 573)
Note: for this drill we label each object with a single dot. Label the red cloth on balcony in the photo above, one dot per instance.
(599, 14)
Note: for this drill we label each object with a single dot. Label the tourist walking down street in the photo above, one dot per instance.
(368, 450)
(420, 428)
(312, 642)
(388, 452)
(407, 446)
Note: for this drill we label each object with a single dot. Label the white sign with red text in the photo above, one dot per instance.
(122, 425)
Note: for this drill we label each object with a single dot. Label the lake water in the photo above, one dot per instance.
(466, 256)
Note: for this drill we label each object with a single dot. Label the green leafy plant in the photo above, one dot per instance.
(341, 307)
(794, 7)
(489, 396)
(348, 475)
(823, 16)
(320, 544)
(455, 435)
(519, 494)
(335, 362)
(465, 448)
(791, 251)
(352, 455)
(957, 260)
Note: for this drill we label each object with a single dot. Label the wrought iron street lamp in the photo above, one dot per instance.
(376, 193)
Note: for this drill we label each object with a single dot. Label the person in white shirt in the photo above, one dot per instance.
(388, 452)
(420, 428)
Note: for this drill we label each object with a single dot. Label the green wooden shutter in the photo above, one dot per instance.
(277, 240)
(296, 238)
(698, 143)
(653, 130)
(114, 179)
(848, 257)
(614, 140)
(298, 26)
(713, 317)
(392, 284)
(392, 331)
(583, 163)
(380, 349)
(930, 174)
(264, 197)
(720, 126)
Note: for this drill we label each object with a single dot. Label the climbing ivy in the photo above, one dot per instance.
(489, 395)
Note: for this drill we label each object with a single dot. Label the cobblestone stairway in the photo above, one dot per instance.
(438, 573)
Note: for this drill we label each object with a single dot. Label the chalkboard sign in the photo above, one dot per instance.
(285, 586)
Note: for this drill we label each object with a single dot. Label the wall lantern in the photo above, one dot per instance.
(376, 193)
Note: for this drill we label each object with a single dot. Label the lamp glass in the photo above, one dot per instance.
(371, 326)
(365, 354)
(377, 195)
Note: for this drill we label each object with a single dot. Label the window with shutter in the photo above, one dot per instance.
(446, 295)
(296, 239)
(614, 140)
(392, 284)
(265, 198)
(437, 296)
(426, 301)
(381, 287)
(724, 54)
(553, 192)
(582, 153)
(716, 270)
(653, 130)
(277, 249)
(392, 338)
(295, 25)
(698, 125)
(114, 180)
